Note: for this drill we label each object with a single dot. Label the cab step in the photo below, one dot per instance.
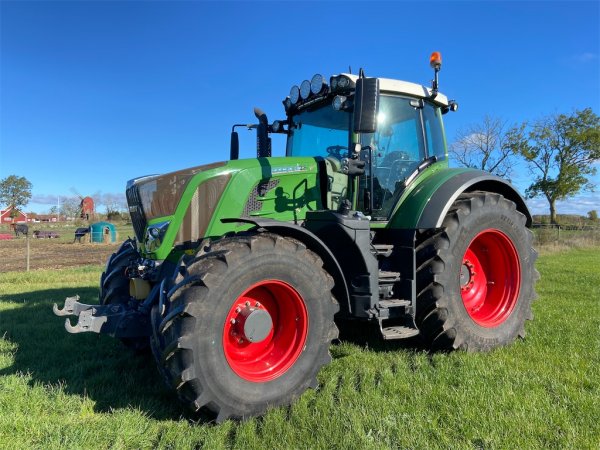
(398, 332)
(388, 277)
(393, 303)
(384, 250)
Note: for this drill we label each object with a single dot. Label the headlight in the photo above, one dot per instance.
(333, 83)
(316, 84)
(338, 102)
(155, 235)
(294, 94)
(305, 89)
(341, 83)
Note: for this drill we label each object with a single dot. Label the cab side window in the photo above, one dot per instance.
(434, 132)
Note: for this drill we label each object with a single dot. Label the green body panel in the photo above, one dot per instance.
(291, 189)
(412, 203)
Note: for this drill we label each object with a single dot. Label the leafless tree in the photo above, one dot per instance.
(487, 146)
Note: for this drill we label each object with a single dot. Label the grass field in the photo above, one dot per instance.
(86, 391)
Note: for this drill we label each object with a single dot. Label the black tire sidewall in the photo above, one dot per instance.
(505, 219)
(311, 284)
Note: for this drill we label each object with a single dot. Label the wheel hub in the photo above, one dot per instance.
(490, 278)
(467, 275)
(253, 323)
(265, 331)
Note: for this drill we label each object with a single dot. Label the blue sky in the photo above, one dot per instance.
(95, 93)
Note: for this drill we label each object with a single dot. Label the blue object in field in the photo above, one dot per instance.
(103, 232)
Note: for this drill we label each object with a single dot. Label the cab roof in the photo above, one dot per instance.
(390, 86)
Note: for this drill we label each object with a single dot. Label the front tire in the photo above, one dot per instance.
(247, 326)
(476, 275)
(114, 285)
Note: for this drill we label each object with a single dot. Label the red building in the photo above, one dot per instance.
(5, 216)
(86, 208)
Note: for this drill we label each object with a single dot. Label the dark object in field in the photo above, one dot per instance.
(38, 234)
(81, 232)
(20, 228)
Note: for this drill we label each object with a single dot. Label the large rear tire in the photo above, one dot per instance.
(476, 275)
(247, 326)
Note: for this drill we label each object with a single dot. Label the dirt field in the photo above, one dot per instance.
(52, 254)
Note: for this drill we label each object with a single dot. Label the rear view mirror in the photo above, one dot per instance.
(234, 148)
(366, 105)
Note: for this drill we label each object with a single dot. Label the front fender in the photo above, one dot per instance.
(312, 242)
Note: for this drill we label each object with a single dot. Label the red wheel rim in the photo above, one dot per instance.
(280, 345)
(490, 278)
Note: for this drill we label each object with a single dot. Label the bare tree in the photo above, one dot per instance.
(70, 207)
(486, 146)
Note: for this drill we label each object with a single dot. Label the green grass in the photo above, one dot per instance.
(86, 391)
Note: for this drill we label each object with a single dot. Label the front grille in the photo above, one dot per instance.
(138, 219)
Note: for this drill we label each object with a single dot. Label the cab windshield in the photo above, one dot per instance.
(409, 132)
(320, 131)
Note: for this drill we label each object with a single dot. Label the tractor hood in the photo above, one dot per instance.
(178, 210)
(155, 196)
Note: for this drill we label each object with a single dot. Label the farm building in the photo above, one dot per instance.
(5, 216)
(86, 208)
(49, 218)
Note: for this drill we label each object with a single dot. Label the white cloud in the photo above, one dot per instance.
(41, 203)
(585, 57)
(580, 204)
(45, 199)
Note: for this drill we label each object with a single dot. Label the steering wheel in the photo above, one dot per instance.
(394, 167)
(394, 158)
(336, 151)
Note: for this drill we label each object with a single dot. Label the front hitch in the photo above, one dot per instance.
(116, 320)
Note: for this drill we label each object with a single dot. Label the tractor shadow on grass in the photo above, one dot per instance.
(88, 365)
(367, 335)
(102, 369)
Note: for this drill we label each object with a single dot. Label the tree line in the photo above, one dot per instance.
(15, 193)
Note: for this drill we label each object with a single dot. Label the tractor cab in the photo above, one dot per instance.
(375, 135)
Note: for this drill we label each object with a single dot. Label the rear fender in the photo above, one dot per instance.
(430, 202)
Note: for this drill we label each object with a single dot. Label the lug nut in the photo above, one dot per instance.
(247, 303)
(257, 304)
(238, 310)
(232, 321)
(240, 341)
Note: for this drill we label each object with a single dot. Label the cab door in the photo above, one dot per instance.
(391, 155)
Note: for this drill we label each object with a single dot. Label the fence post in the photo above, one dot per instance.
(27, 240)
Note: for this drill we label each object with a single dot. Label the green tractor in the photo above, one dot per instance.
(239, 268)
